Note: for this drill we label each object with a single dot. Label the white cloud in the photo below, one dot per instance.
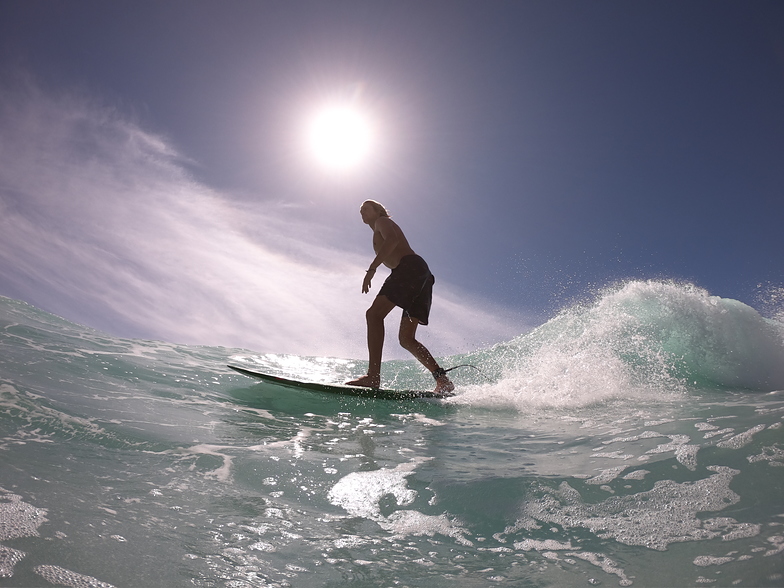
(101, 223)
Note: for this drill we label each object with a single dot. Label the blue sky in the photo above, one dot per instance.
(153, 181)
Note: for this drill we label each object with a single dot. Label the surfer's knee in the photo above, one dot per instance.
(379, 309)
(373, 315)
(407, 341)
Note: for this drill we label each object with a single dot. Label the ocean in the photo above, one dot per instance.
(634, 439)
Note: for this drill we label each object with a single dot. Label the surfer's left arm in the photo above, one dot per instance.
(366, 282)
(390, 236)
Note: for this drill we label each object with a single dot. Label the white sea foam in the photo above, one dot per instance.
(772, 454)
(359, 493)
(605, 563)
(666, 514)
(8, 559)
(402, 523)
(639, 339)
(636, 475)
(741, 439)
(63, 577)
(17, 518)
(249, 480)
(539, 545)
(709, 560)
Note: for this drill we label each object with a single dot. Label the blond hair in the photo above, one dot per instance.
(377, 206)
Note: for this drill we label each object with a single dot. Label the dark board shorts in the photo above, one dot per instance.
(410, 286)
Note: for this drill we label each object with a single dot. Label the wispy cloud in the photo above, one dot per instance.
(101, 223)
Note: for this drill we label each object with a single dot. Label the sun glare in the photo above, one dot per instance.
(340, 137)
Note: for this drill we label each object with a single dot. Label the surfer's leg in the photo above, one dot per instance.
(375, 316)
(407, 338)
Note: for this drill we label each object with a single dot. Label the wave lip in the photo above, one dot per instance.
(712, 341)
(707, 340)
(639, 336)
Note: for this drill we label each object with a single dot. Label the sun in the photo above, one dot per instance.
(340, 137)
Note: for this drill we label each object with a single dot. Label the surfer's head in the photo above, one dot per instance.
(377, 206)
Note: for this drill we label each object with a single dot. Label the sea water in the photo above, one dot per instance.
(636, 439)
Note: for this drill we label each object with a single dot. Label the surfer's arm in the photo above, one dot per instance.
(390, 233)
(366, 282)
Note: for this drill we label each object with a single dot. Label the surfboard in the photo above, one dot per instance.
(341, 389)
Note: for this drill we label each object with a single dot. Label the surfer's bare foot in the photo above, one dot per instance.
(444, 386)
(366, 382)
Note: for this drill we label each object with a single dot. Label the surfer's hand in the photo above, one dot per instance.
(366, 282)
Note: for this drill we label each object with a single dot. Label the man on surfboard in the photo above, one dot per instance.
(409, 286)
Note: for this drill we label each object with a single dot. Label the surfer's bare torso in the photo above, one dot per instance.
(387, 232)
(389, 242)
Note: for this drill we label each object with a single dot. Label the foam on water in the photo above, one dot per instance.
(637, 340)
(17, 519)
(359, 493)
(63, 577)
(654, 519)
(148, 463)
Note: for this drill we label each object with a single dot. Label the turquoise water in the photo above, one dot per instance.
(633, 440)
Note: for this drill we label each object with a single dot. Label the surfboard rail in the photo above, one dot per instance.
(341, 389)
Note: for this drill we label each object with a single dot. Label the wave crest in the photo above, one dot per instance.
(638, 336)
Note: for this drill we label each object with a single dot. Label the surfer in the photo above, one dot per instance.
(409, 286)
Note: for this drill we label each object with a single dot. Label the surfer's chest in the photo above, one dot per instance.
(378, 241)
